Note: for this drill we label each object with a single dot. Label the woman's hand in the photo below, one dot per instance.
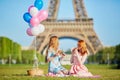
(60, 52)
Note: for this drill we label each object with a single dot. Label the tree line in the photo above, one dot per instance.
(11, 52)
(107, 55)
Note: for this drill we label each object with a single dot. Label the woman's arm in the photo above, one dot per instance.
(61, 54)
(84, 58)
(50, 57)
(72, 55)
(78, 56)
(71, 59)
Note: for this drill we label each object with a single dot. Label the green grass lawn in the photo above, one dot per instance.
(19, 72)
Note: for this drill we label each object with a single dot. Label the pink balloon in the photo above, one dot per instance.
(34, 21)
(42, 15)
(30, 8)
(28, 31)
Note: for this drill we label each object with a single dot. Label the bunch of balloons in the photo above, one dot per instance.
(34, 17)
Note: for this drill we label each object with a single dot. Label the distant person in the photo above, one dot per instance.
(53, 57)
(79, 55)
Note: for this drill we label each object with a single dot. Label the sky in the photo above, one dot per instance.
(105, 13)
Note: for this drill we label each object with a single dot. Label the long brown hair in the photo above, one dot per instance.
(53, 43)
(82, 46)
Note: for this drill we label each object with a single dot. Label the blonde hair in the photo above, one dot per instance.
(53, 44)
(82, 45)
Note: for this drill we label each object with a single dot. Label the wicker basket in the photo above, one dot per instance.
(35, 72)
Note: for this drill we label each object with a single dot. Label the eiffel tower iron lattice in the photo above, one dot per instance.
(79, 28)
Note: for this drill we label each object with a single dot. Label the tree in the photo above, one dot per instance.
(117, 56)
(68, 51)
(104, 56)
(27, 56)
(9, 48)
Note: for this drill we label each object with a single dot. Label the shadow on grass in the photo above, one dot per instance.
(115, 66)
(20, 75)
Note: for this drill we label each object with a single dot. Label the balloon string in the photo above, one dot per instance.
(35, 45)
(35, 56)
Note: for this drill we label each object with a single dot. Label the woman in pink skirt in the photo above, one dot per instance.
(79, 55)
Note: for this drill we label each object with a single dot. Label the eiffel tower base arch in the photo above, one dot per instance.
(80, 29)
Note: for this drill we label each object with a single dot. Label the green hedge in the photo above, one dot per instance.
(9, 49)
(28, 56)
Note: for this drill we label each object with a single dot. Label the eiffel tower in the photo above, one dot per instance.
(79, 28)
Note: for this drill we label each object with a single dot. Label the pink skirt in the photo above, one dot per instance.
(80, 71)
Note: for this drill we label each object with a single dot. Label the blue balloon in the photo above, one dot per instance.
(38, 4)
(27, 17)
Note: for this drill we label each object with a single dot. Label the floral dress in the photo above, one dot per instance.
(54, 65)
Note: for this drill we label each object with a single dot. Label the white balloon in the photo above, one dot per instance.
(33, 11)
(42, 28)
(36, 30)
